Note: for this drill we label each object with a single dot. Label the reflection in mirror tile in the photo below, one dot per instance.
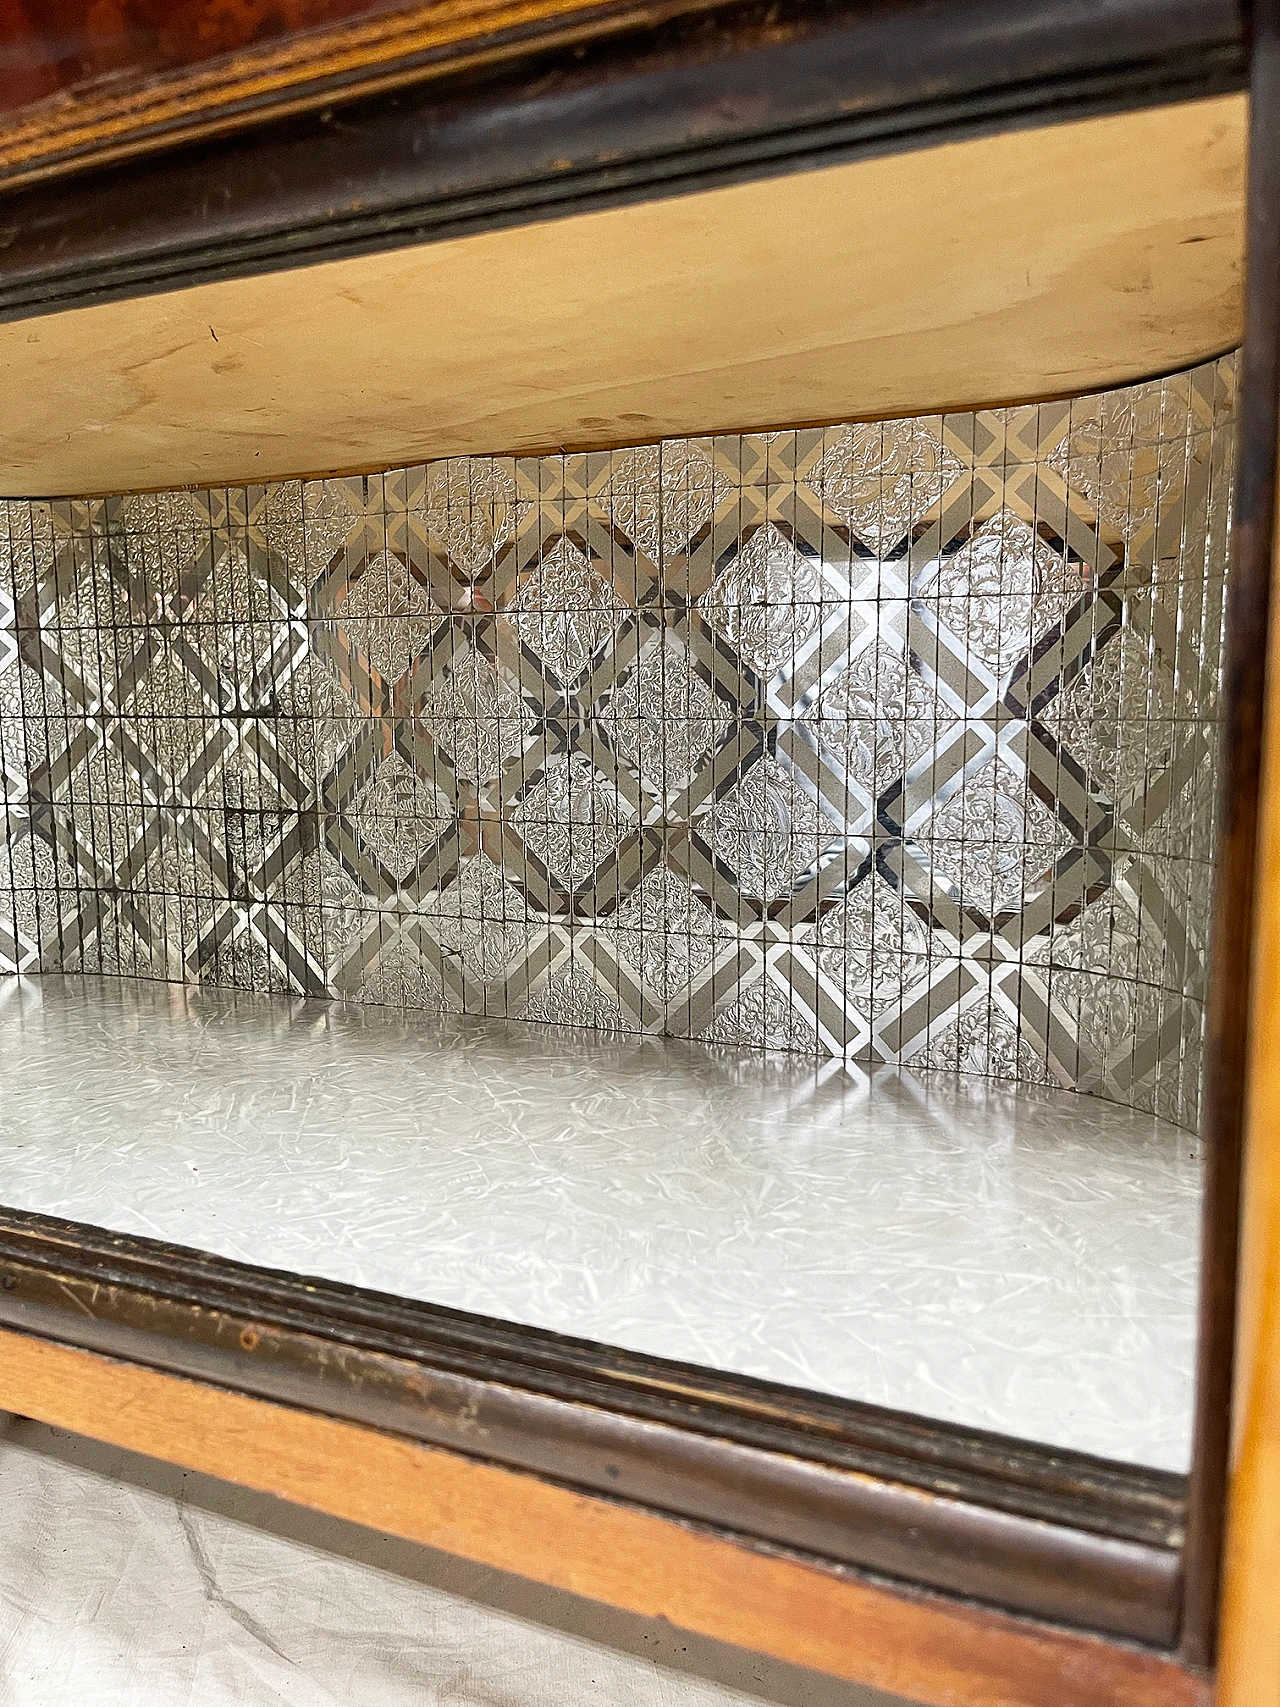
(882, 744)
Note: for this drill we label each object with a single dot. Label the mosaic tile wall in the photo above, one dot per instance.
(891, 742)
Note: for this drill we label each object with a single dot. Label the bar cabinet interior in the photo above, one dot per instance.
(633, 748)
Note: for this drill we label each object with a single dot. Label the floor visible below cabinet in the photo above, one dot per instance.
(131, 1584)
(1005, 1256)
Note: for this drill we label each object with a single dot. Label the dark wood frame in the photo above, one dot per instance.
(536, 127)
(1231, 981)
(714, 95)
(1058, 1534)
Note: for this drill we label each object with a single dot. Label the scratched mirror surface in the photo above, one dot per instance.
(742, 899)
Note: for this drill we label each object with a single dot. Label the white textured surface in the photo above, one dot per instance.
(131, 1584)
(1016, 1258)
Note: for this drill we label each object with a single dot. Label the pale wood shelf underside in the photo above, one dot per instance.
(1032, 264)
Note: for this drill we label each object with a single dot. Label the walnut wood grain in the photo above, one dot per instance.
(65, 47)
(122, 80)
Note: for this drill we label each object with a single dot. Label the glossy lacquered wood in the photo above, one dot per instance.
(61, 47)
(1052, 1532)
(835, 61)
(895, 1639)
(1249, 1666)
(110, 84)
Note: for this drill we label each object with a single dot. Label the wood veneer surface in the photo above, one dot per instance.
(1250, 1650)
(52, 47)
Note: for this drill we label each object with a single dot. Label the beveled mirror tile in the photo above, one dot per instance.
(891, 741)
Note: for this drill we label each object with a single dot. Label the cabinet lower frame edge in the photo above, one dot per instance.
(705, 1581)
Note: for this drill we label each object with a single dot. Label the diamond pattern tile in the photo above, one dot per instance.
(889, 741)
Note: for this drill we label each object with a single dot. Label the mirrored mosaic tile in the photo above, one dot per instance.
(891, 741)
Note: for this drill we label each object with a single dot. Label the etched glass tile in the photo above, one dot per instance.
(692, 485)
(571, 818)
(635, 499)
(309, 523)
(480, 920)
(475, 715)
(165, 535)
(571, 996)
(872, 947)
(28, 548)
(992, 838)
(879, 714)
(14, 748)
(473, 507)
(878, 478)
(765, 600)
(769, 831)
(389, 614)
(668, 935)
(895, 740)
(1003, 588)
(762, 1017)
(563, 611)
(986, 1042)
(662, 717)
(399, 813)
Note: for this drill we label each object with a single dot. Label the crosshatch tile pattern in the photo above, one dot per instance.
(892, 742)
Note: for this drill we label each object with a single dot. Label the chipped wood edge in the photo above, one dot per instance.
(947, 1653)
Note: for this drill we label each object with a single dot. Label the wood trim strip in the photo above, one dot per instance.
(1249, 1664)
(751, 90)
(775, 1603)
(1234, 927)
(116, 1275)
(121, 118)
(1054, 1534)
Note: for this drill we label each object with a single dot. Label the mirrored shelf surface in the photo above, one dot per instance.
(998, 1255)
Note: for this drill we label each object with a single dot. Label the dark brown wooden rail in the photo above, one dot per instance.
(1059, 1534)
(631, 105)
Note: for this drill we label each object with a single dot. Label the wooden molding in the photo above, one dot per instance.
(923, 1647)
(1148, 45)
(1240, 1064)
(1250, 1639)
(1033, 1529)
(119, 117)
(1250, 1624)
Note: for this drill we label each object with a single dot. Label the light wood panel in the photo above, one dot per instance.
(1038, 263)
(1250, 1641)
(929, 1649)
